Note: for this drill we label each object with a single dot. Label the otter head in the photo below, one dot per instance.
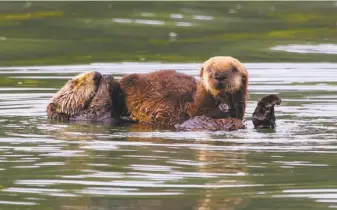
(263, 116)
(77, 93)
(223, 74)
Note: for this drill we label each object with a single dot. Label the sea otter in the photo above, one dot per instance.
(167, 97)
(88, 97)
(264, 116)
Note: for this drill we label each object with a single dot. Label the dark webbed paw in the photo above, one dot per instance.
(264, 116)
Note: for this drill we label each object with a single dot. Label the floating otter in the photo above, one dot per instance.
(264, 116)
(167, 97)
(88, 97)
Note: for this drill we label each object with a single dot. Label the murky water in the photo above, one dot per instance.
(69, 166)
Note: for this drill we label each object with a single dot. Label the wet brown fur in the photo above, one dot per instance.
(167, 97)
(107, 104)
(73, 96)
(88, 96)
(158, 97)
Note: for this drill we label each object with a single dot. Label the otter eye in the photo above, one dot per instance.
(234, 69)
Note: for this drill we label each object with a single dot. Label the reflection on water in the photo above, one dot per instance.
(74, 166)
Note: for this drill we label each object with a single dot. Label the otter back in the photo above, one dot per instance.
(158, 97)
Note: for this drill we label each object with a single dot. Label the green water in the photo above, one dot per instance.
(96, 167)
(35, 33)
(74, 166)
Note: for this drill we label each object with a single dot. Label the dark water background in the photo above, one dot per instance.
(69, 166)
(34, 33)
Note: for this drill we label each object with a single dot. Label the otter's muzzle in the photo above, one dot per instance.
(220, 76)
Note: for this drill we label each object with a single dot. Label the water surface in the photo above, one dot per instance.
(71, 166)
(48, 33)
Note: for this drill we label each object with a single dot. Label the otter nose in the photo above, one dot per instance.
(220, 75)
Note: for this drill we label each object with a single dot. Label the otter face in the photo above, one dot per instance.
(223, 74)
(77, 93)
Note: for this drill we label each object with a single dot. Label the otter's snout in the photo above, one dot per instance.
(220, 76)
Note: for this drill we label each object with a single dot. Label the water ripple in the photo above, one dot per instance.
(42, 161)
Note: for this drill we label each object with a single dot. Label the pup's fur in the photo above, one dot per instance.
(88, 97)
(158, 97)
(167, 97)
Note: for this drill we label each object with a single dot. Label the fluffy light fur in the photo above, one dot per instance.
(76, 93)
(88, 97)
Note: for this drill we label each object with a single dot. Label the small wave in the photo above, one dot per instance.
(320, 48)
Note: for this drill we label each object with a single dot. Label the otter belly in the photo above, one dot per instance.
(204, 123)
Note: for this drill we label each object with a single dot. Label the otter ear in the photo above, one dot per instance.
(201, 72)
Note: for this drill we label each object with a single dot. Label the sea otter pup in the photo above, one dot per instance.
(88, 97)
(264, 116)
(167, 97)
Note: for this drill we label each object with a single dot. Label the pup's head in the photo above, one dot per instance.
(263, 116)
(77, 93)
(223, 75)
